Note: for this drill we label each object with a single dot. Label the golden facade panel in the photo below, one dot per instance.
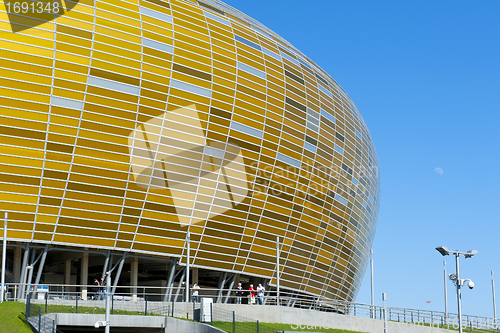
(126, 124)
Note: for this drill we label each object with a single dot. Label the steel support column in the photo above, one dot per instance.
(134, 271)
(24, 268)
(119, 272)
(84, 274)
(41, 265)
(179, 287)
(170, 281)
(231, 285)
(222, 282)
(106, 263)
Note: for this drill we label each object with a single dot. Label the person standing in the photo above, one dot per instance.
(196, 288)
(251, 294)
(260, 293)
(96, 290)
(103, 288)
(239, 293)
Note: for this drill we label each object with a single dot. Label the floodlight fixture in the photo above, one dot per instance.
(455, 277)
(470, 253)
(443, 250)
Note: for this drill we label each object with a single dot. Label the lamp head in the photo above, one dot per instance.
(470, 253)
(443, 250)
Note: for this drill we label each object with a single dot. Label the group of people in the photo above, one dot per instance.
(99, 289)
(251, 293)
(240, 292)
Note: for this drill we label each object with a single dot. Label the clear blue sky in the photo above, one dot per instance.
(425, 76)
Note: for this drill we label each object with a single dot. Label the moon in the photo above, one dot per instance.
(439, 171)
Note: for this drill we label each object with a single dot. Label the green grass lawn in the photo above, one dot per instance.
(87, 309)
(251, 327)
(12, 312)
(56, 308)
(10, 321)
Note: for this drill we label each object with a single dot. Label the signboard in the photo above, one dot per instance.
(205, 313)
(42, 291)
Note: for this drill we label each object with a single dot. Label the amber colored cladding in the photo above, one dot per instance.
(125, 124)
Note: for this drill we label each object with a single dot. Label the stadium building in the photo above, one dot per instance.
(127, 125)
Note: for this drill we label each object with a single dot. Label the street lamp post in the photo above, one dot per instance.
(494, 302)
(277, 270)
(372, 309)
(106, 322)
(3, 287)
(108, 301)
(456, 277)
(445, 295)
(188, 252)
(384, 299)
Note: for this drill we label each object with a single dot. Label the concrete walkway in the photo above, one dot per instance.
(311, 319)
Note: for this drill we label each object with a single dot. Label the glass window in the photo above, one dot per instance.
(191, 88)
(323, 89)
(311, 140)
(357, 133)
(346, 169)
(321, 79)
(66, 103)
(155, 14)
(313, 116)
(217, 18)
(309, 147)
(287, 57)
(304, 63)
(271, 53)
(312, 120)
(294, 77)
(251, 70)
(247, 42)
(339, 150)
(214, 152)
(295, 104)
(354, 111)
(340, 199)
(288, 160)
(157, 45)
(246, 129)
(113, 85)
(327, 116)
(354, 181)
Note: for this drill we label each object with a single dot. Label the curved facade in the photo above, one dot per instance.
(126, 124)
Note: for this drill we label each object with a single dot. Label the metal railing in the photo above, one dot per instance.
(37, 321)
(161, 301)
(229, 321)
